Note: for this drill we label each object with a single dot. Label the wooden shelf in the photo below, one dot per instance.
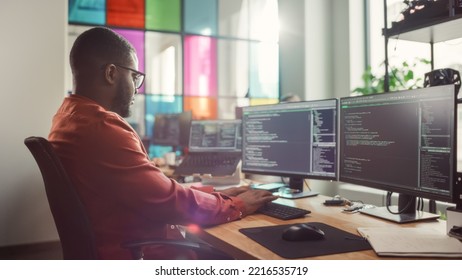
(438, 30)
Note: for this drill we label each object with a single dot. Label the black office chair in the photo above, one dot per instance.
(71, 220)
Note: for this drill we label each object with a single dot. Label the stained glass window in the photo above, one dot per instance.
(163, 63)
(125, 13)
(136, 38)
(206, 56)
(203, 108)
(200, 66)
(264, 70)
(163, 15)
(200, 17)
(87, 12)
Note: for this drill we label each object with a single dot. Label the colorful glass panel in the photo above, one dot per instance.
(156, 104)
(164, 74)
(125, 13)
(87, 12)
(203, 108)
(163, 15)
(200, 17)
(264, 20)
(136, 38)
(200, 68)
(263, 101)
(233, 68)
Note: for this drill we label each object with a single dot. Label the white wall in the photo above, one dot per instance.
(334, 39)
(292, 47)
(32, 55)
(319, 49)
(334, 56)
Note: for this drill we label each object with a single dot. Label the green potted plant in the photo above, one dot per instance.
(401, 77)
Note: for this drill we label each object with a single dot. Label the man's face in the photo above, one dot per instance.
(125, 89)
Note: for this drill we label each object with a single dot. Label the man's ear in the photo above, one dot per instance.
(110, 74)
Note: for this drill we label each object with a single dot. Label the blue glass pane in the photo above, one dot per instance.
(156, 104)
(87, 11)
(200, 16)
(136, 118)
(159, 151)
(264, 70)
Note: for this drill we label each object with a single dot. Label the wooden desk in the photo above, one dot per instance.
(228, 238)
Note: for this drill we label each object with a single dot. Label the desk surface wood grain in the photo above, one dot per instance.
(228, 238)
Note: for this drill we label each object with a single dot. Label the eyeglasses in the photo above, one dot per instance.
(138, 79)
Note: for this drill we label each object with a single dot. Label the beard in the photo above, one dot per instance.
(122, 100)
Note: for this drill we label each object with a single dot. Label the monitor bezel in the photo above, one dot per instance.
(289, 174)
(181, 116)
(453, 194)
(226, 121)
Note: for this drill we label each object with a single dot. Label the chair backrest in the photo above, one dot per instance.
(74, 228)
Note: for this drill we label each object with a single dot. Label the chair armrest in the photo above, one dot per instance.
(136, 248)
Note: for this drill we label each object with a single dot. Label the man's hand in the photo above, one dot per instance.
(235, 191)
(254, 199)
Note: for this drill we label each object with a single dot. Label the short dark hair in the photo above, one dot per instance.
(99, 45)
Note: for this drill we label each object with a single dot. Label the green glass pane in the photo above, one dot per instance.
(163, 15)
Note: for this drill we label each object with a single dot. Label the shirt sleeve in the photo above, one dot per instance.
(124, 173)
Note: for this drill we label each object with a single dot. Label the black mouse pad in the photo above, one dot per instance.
(336, 241)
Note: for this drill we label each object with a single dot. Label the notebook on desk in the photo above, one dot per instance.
(214, 148)
(411, 242)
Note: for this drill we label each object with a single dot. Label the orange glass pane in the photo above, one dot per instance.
(125, 13)
(203, 108)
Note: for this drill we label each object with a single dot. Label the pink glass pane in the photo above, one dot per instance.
(136, 38)
(200, 66)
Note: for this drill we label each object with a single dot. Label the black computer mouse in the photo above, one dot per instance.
(302, 232)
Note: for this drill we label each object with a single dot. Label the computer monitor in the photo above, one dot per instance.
(403, 142)
(215, 136)
(172, 129)
(296, 140)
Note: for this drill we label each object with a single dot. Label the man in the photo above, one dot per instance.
(126, 196)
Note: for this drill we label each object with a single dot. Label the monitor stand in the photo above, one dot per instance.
(410, 215)
(295, 190)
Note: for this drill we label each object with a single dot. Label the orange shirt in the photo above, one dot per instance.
(126, 196)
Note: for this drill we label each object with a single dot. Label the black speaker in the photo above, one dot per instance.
(444, 76)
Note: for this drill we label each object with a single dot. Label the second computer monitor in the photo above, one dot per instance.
(297, 140)
(215, 136)
(403, 142)
(172, 129)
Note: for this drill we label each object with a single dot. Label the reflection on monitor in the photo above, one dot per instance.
(215, 135)
(402, 142)
(297, 140)
(172, 129)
